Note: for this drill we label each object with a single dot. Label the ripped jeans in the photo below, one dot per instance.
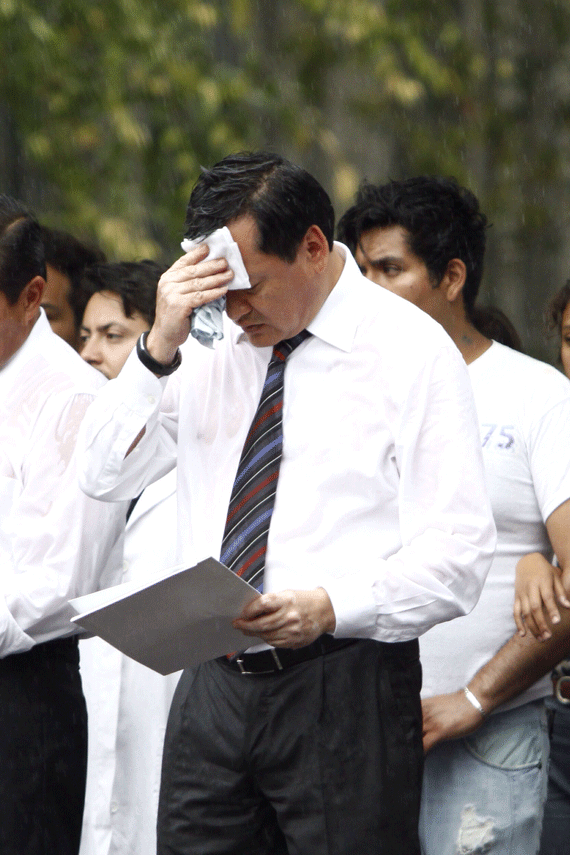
(485, 793)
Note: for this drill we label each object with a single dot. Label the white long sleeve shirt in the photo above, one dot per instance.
(381, 497)
(54, 540)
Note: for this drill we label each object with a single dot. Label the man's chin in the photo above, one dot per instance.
(261, 335)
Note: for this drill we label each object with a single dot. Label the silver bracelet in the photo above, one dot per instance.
(474, 702)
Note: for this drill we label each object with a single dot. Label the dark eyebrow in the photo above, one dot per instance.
(102, 329)
(385, 259)
(378, 262)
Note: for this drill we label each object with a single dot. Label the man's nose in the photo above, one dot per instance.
(236, 304)
(90, 352)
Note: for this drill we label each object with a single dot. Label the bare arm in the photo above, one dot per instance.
(515, 667)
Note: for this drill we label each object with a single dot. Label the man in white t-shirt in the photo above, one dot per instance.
(484, 725)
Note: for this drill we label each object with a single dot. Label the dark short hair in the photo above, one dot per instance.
(283, 199)
(21, 248)
(443, 221)
(135, 282)
(556, 308)
(70, 256)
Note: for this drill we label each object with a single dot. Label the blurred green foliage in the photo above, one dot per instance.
(115, 105)
(108, 110)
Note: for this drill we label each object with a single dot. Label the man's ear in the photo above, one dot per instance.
(315, 248)
(31, 297)
(454, 279)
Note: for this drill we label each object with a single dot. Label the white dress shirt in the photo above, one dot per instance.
(54, 541)
(381, 497)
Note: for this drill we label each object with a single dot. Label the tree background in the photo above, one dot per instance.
(108, 110)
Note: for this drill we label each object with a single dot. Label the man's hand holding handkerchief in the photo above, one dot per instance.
(206, 323)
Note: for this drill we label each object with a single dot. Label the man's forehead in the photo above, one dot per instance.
(384, 240)
(107, 301)
(245, 232)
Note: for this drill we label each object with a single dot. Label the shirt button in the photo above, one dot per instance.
(151, 399)
(114, 807)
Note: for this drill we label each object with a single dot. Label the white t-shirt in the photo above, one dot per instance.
(524, 416)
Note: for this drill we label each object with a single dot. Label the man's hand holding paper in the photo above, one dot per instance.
(288, 618)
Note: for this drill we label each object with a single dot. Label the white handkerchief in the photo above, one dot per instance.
(206, 324)
(222, 245)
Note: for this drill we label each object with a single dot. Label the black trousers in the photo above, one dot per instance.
(43, 750)
(324, 758)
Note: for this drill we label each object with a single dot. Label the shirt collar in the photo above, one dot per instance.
(337, 320)
(40, 329)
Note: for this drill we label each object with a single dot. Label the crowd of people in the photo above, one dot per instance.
(346, 427)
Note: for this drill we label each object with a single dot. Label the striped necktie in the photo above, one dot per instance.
(253, 495)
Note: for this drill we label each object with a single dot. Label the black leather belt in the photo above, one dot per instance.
(56, 648)
(279, 659)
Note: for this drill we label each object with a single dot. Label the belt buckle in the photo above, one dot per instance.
(243, 669)
(277, 660)
(239, 662)
(557, 691)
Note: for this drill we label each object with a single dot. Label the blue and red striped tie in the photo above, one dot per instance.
(253, 495)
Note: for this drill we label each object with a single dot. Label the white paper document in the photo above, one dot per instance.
(174, 622)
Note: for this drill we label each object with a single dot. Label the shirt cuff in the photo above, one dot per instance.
(139, 388)
(354, 606)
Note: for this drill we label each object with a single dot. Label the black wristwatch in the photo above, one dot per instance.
(151, 363)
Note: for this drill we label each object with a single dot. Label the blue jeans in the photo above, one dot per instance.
(556, 826)
(485, 793)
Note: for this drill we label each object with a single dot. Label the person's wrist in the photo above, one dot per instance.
(328, 622)
(474, 701)
(157, 366)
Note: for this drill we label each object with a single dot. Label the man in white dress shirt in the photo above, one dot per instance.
(54, 542)
(310, 741)
(484, 685)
